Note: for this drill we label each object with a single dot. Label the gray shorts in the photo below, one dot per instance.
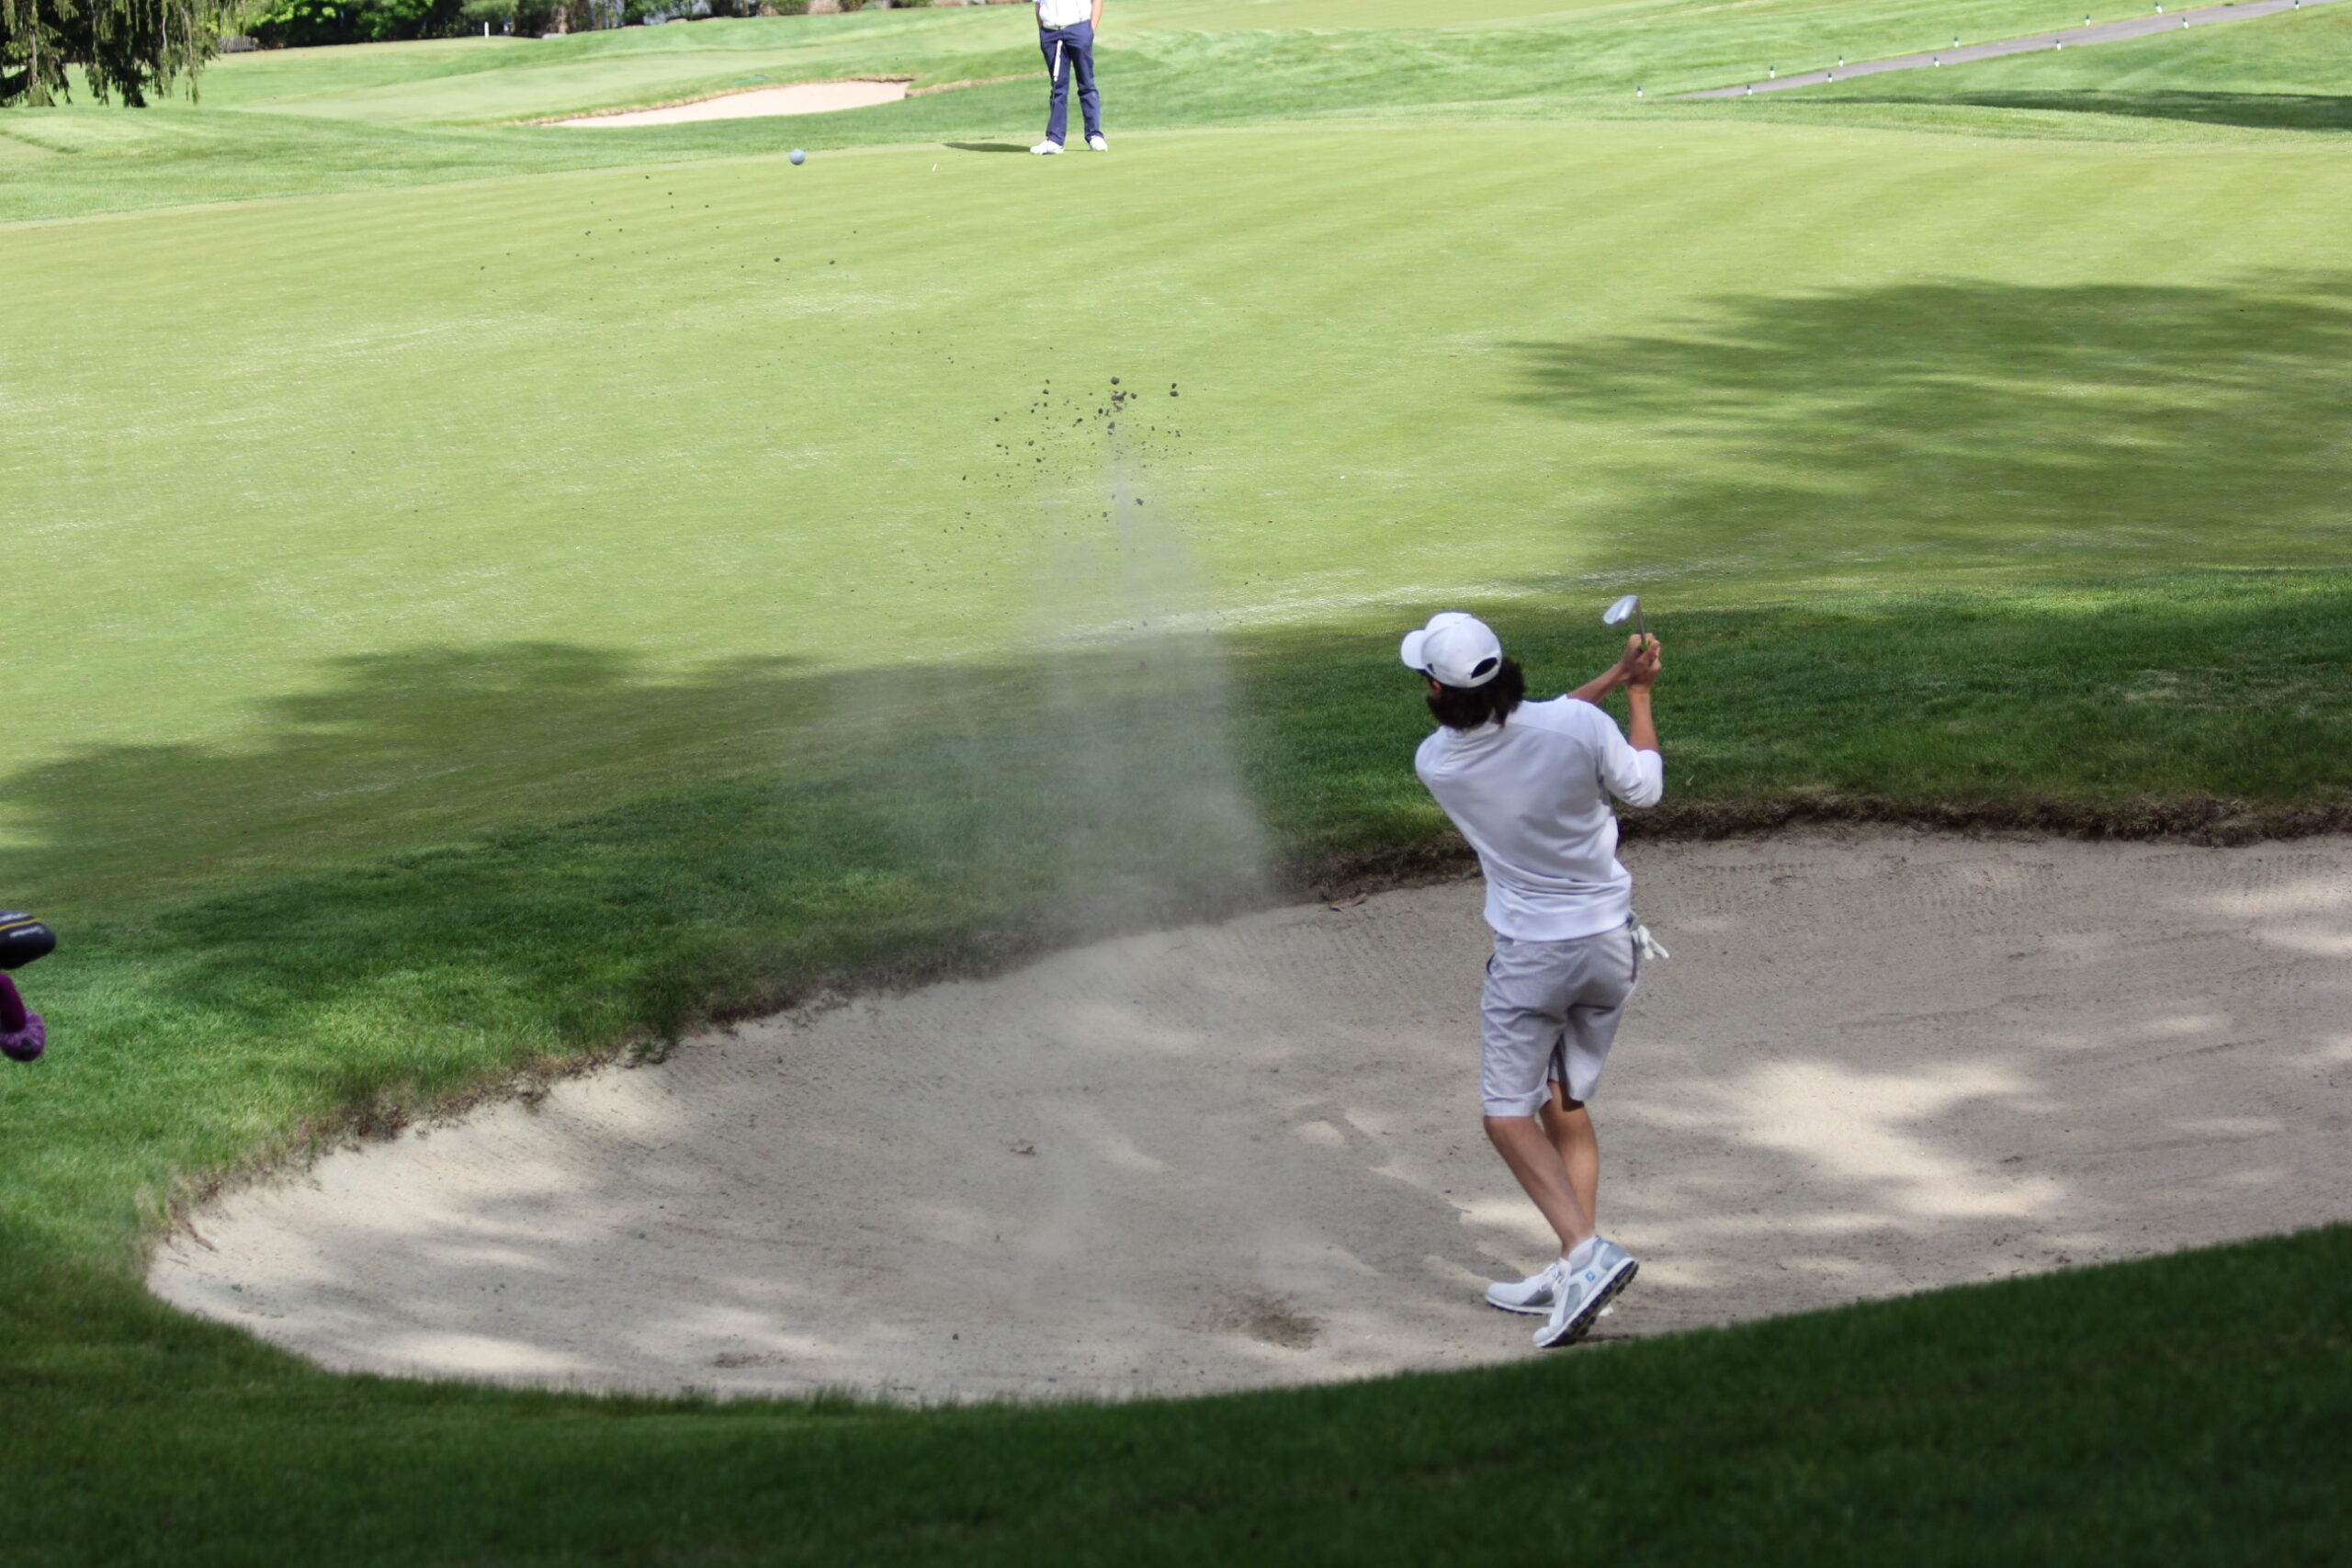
(1549, 1015)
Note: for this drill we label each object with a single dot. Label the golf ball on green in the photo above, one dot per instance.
(799, 156)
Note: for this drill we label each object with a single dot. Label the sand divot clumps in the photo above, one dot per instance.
(1249, 1154)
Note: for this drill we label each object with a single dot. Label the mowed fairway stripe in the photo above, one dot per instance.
(663, 421)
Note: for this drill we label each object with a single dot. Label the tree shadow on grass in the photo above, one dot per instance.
(835, 820)
(1979, 422)
(386, 751)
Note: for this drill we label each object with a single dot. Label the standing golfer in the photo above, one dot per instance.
(1527, 783)
(1065, 33)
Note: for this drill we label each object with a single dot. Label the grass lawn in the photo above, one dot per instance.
(507, 592)
(2061, 1419)
(722, 423)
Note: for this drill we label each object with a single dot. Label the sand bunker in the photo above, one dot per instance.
(1249, 1154)
(801, 98)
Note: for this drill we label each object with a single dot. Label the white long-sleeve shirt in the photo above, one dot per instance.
(1532, 795)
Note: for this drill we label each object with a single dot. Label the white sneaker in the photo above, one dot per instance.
(1534, 1294)
(1097, 142)
(1047, 149)
(1583, 1295)
(1531, 1295)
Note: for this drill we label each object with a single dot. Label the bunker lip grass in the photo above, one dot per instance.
(2203, 821)
(2198, 819)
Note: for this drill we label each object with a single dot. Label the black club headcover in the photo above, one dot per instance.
(23, 939)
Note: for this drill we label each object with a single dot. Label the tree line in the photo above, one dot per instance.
(129, 49)
(136, 49)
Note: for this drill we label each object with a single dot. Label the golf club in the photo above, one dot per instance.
(1629, 608)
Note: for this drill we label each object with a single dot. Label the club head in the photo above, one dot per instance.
(1624, 609)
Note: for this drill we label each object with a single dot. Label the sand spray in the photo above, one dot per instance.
(1088, 779)
(1087, 782)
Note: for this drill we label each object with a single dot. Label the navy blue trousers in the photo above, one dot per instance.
(1069, 52)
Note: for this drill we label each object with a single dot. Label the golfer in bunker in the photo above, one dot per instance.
(1527, 783)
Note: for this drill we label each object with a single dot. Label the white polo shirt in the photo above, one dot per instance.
(1064, 13)
(1532, 795)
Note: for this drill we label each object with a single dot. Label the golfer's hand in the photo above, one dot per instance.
(1644, 658)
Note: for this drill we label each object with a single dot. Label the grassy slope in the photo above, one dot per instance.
(2287, 72)
(2294, 52)
(404, 114)
(510, 577)
(2284, 73)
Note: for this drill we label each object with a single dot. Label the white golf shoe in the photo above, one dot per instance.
(1047, 149)
(1582, 1294)
(1534, 1294)
(1098, 143)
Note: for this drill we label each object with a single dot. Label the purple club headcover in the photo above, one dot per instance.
(22, 1038)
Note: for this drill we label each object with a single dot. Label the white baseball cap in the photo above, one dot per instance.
(1454, 650)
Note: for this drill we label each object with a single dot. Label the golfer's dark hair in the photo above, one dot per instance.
(1467, 707)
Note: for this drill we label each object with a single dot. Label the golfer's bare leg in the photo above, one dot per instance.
(1569, 1126)
(1543, 1176)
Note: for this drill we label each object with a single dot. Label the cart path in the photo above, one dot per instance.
(2068, 37)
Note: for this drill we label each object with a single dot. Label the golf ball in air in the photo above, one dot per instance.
(799, 156)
